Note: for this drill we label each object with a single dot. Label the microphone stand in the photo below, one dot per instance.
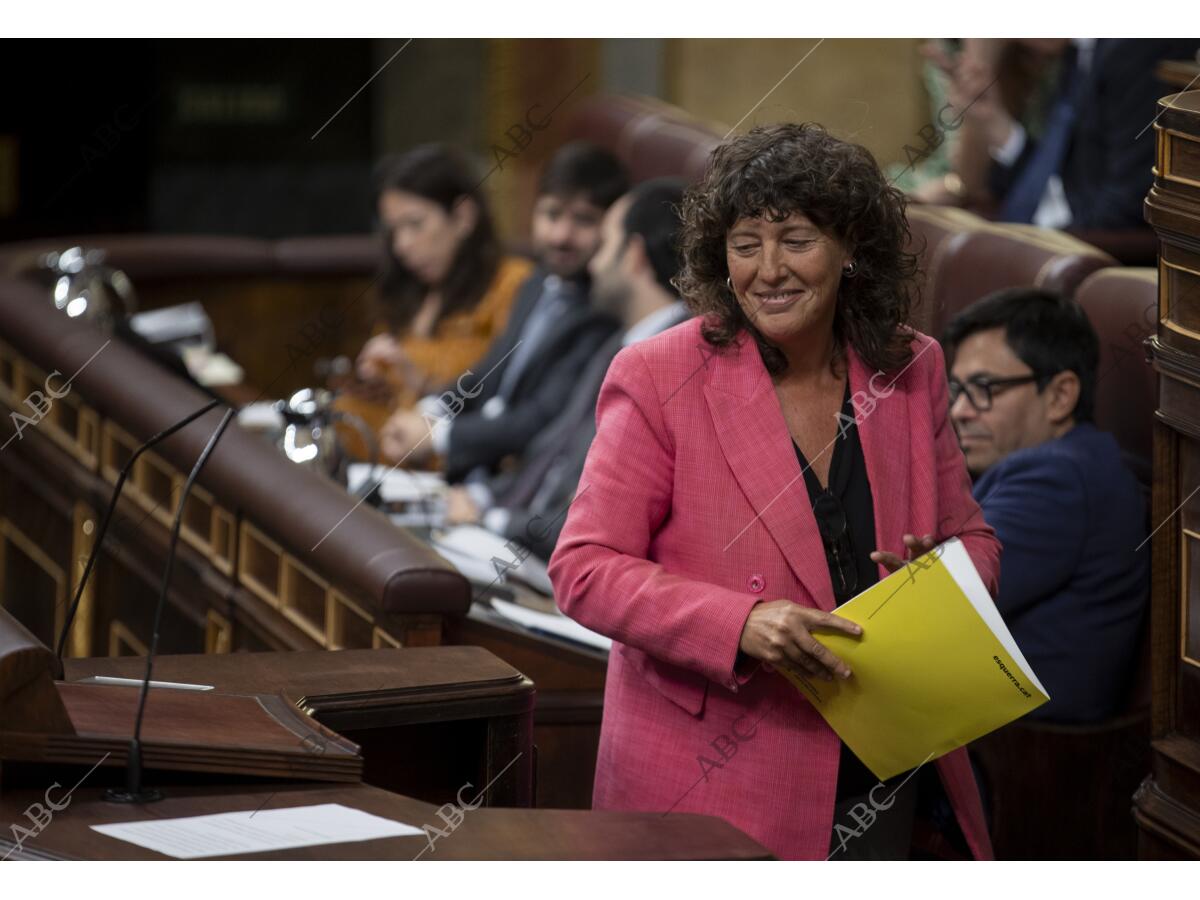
(112, 506)
(134, 791)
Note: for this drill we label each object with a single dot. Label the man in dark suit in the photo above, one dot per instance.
(1091, 166)
(494, 410)
(631, 280)
(1071, 517)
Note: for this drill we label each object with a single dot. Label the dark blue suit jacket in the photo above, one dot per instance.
(541, 391)
(1108, 167)
(1073, 592)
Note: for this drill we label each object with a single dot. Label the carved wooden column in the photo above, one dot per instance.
(1167, 805)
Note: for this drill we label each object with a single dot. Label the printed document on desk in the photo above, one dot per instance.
(256, 831)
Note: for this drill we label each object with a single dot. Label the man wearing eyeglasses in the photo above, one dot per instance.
(1069, 514)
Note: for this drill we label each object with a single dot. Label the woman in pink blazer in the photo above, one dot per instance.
(753, 468)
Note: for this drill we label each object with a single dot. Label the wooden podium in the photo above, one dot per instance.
(230, 749)
(428, 719)
(48, 723)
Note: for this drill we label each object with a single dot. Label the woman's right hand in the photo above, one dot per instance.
(779, 632)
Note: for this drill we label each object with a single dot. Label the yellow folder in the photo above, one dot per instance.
(934, 668)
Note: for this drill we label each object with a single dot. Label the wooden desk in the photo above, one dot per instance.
(483, 834)
(428, 719)
(570, 701)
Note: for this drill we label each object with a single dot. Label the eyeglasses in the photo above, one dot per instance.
(839, 551)
(980, 389)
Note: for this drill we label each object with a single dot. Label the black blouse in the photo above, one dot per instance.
(848, 482)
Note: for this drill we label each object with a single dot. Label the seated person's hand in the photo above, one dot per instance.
(975, 93)
(405, 438)
(917, 547)
(460, 508)
(779, 632)
(972, 89)
(383, 367)
(378, 355)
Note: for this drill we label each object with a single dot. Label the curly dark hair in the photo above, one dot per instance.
(772, 172)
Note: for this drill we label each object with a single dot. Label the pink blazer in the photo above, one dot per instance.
(691, 509)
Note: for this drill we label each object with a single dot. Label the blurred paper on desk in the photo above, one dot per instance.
(551, 623)
(934, 669)
(396, 485)
(485, 557)
(211, 369)
(185, 324)
(410, 499)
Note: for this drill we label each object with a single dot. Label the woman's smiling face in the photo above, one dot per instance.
(785, 274)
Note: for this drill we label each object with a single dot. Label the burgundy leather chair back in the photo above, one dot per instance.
(652, 138)
(1122, 304)
(1006, 255)
(935, 234)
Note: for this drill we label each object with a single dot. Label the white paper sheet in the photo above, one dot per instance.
(235, 833)
(471, 550)
(550, 623)
(397, 485)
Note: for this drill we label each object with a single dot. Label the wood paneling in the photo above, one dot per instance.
(1167, 805)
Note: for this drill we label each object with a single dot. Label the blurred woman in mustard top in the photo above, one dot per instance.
(447, 287)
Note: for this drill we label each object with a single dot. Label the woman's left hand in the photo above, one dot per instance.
(916, 547)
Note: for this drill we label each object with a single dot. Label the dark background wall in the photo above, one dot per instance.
(184, 136)
(217, 136)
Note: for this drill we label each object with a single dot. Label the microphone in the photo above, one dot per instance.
(112, 506)
(134, 792)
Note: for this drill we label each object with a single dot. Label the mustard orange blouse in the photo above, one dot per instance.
(462, 339)
(458, 342)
